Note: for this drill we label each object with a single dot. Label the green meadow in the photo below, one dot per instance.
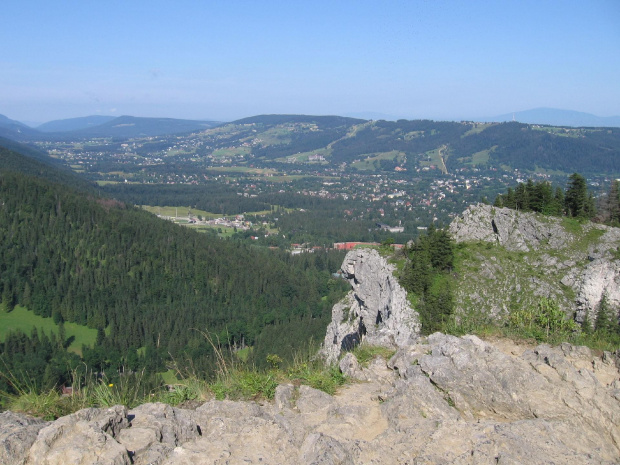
(24, 320)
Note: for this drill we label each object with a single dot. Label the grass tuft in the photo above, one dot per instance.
(366, 353)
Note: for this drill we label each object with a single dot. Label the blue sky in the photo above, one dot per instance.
(230, 59)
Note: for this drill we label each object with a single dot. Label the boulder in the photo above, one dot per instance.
(85, 437)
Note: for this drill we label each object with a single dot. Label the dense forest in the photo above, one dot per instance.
(299, 218)
(147, 284)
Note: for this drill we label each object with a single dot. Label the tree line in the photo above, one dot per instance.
(576, 201)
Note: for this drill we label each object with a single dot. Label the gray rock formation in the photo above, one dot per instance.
(574, 263)
(376, 310)
(443, 400)
(17, 434)
(85, 437)
(509, 228)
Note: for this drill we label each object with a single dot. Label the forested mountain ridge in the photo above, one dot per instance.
(120, 127)
(364, 145)
(15, 130)
(147, 283)
(73, 124)
(28, 160)
(416, 144)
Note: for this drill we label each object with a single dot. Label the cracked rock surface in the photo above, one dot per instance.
(442, 400)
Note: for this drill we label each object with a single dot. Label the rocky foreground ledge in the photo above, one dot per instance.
(442, 400)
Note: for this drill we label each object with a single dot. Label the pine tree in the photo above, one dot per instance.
(577, 201)
(607, 317)
(611, 204)
(509, 199)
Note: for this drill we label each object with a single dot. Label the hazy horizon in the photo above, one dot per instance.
(442, 60)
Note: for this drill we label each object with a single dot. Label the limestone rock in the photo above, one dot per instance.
(85, 437)
(582, 258)
(600, 277)
(157, 425)
(376, 310)
(350, 367)
(444, 399)
(319, 449)
(17, 434)
(512, 229)
(235, 432)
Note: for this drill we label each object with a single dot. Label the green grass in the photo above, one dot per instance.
(367, 353)
(24, 320)
(478, 128)
(482, 157)
(243, 170)
(181, 211)
(368, 163)
(105, 183)
(234, 152)
(433, 157)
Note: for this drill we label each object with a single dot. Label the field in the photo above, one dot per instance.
(435, 157)
(369, 163)
(231, 152)
(25, 320)
(180, 212)
(243, 170)
(304, 157)
(478, 128)
(482, 157)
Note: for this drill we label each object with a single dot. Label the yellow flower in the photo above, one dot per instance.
(110, 385)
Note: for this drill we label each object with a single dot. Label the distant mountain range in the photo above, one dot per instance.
(131, 126)
(555, 117)
(12, 129)
(547, 116)
(100, 126)
(74, 124)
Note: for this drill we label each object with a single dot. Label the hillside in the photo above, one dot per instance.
(148, 284)
(132, 126)
(413, 145)
(122, 127)
(436, 399)
(74, 124)
(28, 160)
(15, 130)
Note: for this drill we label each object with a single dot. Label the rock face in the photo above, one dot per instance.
(17, 434)
(442, 400)
(574, 263)
(376, 310)
(509, 228)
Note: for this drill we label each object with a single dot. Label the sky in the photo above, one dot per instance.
(224, 60)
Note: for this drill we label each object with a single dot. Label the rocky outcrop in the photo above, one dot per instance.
(509, 228)
(17, 434)
(444, 399)
(376, 310)
(574, 263)
(85, 437)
